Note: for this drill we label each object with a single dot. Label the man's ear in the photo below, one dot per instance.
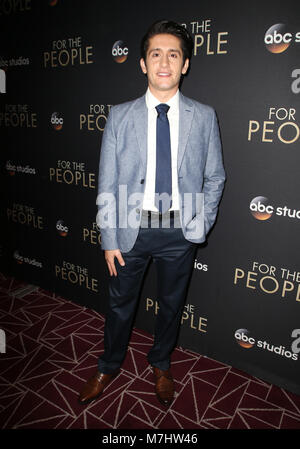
(185, 67)
(143, 66)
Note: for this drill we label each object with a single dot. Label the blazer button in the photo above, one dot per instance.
(142, 181)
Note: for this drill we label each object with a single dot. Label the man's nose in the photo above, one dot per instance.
(164, 61)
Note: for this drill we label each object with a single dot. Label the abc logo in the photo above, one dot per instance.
(56, 121)
(260, 208)
(243, 338)
(119, 52)
(10, 168)
(277, 40)
(62, 228)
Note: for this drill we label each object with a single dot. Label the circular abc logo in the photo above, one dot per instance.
(260, 208)
(243, 338)
(119, 51)
(61, 228)
(57, 121)
(277, 39)
(10, 168)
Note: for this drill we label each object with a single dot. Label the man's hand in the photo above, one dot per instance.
(110, 260)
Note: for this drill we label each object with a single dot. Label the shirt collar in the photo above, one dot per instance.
(152, 101)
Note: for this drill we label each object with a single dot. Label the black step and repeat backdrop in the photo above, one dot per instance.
(63, 64)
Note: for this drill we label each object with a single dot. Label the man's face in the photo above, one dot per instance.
(164, 65)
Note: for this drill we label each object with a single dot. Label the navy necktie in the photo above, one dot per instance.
(163, 179)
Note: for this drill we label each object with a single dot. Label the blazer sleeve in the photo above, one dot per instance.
(108, 187)
(214, 175)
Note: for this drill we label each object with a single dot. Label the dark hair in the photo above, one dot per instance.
(169, 27)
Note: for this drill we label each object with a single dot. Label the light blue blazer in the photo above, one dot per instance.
(122, 172)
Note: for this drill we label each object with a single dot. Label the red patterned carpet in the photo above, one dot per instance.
(53, 346)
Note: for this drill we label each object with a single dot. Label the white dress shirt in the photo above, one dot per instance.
(173, 116)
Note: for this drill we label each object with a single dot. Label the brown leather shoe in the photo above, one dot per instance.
(164, 386)
(94, 387)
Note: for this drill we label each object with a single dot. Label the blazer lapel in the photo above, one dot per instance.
(140, 115)
(186, 114)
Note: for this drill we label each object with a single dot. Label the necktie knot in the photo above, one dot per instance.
(162, 108)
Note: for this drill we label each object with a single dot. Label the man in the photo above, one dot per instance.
(161, 177)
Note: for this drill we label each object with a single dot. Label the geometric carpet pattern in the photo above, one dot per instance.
(52, 347)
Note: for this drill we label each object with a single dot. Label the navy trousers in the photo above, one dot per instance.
(173, 257)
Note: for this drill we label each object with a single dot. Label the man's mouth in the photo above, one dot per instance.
(163, 74)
